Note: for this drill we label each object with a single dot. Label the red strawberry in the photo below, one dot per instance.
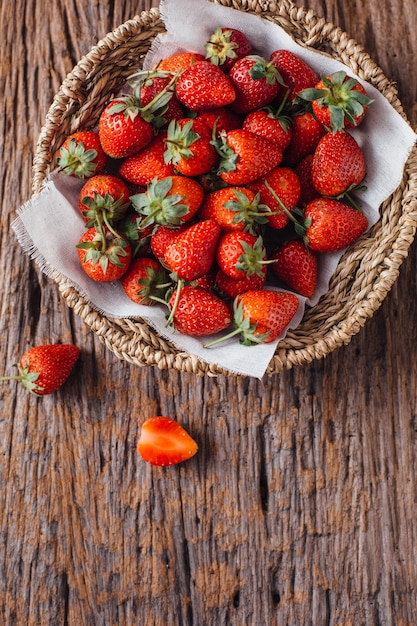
(241, 254)
(285, 186)
(261, 315)
(103, 256)
(198, 312)
(204, 86)
(189, 147)
(153, 86)
(221, 119)
(179, 61)
(233, 208)
(295, 72)
(104, 196)
(332, 225)
(338, 164)
(271, 125)
(297, 266)
(246, 157)
(81, 155)
(256, 83)
(164, 442)
(169, 201)
(226, 45)
(142, 167)
(232, 287)
(306, 133)
(338, 101)
(192, 252)
(145, 281)
(44, 369)
(163, 237)
(122, 129)
(303, 171)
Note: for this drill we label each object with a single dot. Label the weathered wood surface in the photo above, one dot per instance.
(301, 505)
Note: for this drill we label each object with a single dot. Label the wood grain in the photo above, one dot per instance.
(300, 506)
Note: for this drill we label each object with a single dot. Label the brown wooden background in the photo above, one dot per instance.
(301, 505)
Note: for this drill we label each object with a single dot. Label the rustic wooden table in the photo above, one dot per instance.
(301, 505)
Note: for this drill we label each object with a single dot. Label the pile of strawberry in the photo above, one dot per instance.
(217, 177)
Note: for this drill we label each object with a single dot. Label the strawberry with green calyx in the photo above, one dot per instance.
(285, 186)
(338, 101)
(260, 316)
(295, 72)
(256, 82)
(169, 201)
(104, 255)
(204, 86)
(148, 163)
(126, 126)
(103, 194)
(81, 155)
(332, 225)
(196, 311)
(225, 46)
(339, 165)
(150, 88)
(44, 369)
(234, 209)
(164, 442)
(245, 157)
(189, 147)
(297, 266)
(272, 124)
(241, 254)
(139, 238)
(146, 281)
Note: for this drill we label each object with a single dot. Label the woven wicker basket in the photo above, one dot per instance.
(364, 275)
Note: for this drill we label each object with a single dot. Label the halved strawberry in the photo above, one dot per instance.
(163, 441)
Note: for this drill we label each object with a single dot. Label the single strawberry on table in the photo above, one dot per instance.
(81, 155)
(44, 369)
(163, 441)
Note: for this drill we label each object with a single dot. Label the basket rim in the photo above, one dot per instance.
(135, 342)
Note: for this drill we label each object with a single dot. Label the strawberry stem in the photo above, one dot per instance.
(175, 303)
